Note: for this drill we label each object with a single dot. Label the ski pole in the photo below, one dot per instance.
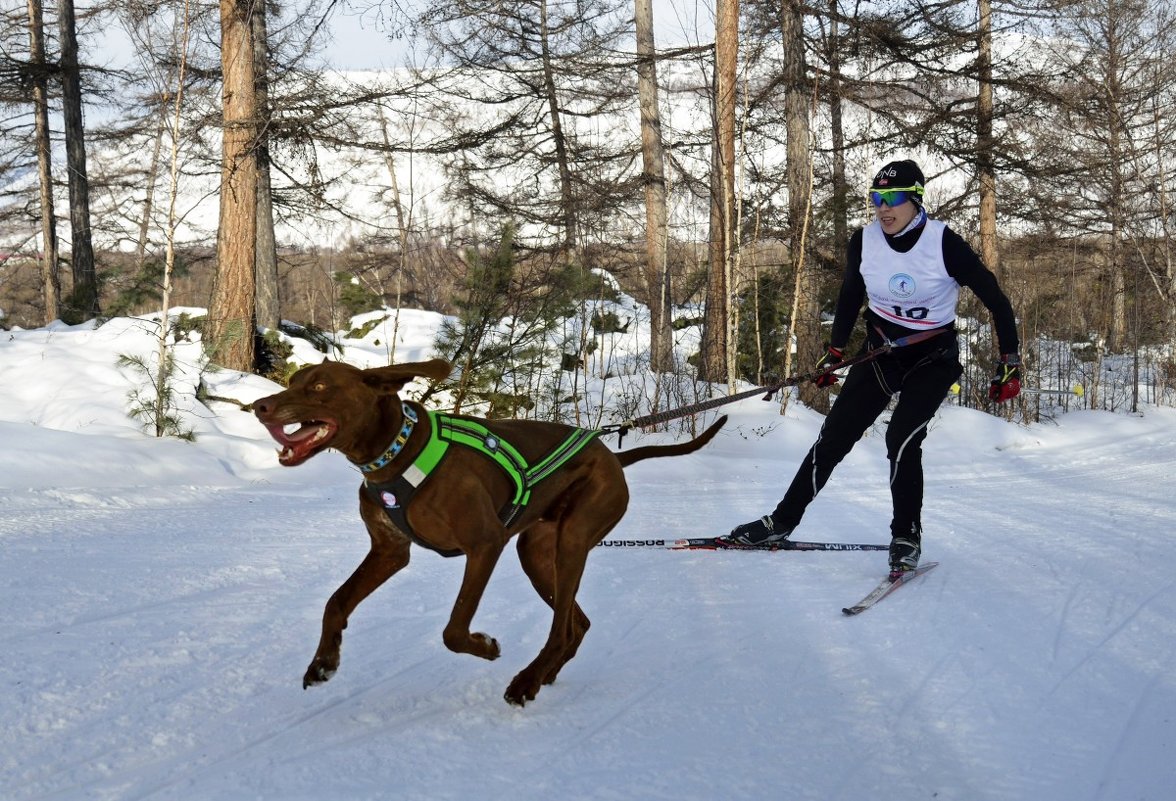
(770, 389)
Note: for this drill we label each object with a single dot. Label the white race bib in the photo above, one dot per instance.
(912, 289)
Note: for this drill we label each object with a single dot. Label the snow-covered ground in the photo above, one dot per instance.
(161, 600)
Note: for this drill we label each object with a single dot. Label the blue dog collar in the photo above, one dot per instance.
(410, 421)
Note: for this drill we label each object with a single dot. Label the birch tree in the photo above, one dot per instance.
(158, 412)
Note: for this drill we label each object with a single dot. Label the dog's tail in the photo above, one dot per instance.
(651, 451)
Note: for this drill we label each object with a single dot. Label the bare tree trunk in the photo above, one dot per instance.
(231, 313)
(151, 178)
(50, 282)
(985, 144)
(806, 319)
(1167, 286)
(266, 274)
(712, 360)
(1117, 333)
(657, 276)
(837, 133)
(169, 266)
(83, 300)
(1118, 157)
(402, 224)
(402, 221)
(566, 193)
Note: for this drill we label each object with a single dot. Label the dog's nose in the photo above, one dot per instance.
(262, 406)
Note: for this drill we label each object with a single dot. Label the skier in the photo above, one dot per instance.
(908, 269)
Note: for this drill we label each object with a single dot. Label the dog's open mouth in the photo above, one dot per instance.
(302, 440)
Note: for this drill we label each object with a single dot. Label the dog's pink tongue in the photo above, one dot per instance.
(278, 432)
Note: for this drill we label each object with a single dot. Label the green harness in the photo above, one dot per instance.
(446, 430)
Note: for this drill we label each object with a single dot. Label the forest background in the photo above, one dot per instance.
(522, 161)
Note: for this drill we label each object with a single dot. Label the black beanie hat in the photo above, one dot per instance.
(899, 175)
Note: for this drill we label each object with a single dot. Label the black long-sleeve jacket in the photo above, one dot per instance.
(963, 265)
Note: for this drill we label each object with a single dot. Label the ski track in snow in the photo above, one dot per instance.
(155, 636)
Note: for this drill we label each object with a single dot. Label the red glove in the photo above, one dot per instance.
(832, 356)
(1006, 384)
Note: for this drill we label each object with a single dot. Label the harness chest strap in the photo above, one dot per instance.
(396, 494)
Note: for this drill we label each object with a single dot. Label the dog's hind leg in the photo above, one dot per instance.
(582, 524)
(543, 669)
(389, 553)
(536, 547)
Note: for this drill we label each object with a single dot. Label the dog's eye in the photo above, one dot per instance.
(318, 386)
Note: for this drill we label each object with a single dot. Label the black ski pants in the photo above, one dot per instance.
(921, 375)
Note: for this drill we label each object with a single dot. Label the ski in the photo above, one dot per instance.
(713, 544)
(885, 587)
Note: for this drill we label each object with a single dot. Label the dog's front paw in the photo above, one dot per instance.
(318, 672)
(475, 642)
(485, 646)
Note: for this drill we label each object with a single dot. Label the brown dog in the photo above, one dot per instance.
(458, 485)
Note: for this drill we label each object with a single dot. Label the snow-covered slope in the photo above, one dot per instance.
(161, 600)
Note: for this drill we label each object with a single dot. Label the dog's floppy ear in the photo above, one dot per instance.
(391, 379)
